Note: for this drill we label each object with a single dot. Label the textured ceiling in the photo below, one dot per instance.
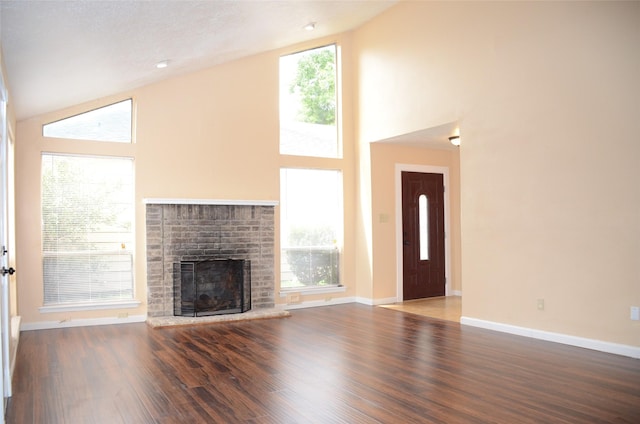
(61, 53)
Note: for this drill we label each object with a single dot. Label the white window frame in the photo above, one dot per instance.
(88, 113)
(99, 152)
(338, 104)
(339, 228)
(98, 304)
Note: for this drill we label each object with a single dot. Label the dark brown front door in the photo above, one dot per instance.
(423, 235)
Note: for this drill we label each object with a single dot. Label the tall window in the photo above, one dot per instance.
(308, 106)
(87, 229)
(311, 227)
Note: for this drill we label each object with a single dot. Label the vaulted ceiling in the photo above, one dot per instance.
(61, 53)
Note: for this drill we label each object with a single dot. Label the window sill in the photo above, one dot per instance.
(121, 304)
(312, 290)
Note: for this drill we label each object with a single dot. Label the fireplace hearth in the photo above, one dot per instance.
(211, 287)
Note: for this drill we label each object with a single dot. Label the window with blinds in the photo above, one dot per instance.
(87, 229)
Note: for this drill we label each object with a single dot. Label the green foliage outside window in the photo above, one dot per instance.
(315, 82)
(72, 211)
(87, 217)
(313, 256)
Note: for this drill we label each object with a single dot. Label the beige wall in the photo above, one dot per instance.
(209, 135)
(547, 96)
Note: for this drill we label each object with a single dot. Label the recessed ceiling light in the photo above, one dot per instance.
(162, 64)
(310, 26)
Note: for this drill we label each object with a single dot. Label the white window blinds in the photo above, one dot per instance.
(87, 229)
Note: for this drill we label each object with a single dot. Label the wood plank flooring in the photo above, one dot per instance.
(443, 307)
(337, 364)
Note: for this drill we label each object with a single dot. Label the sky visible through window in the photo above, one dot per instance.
(110, 123)
(310, 198)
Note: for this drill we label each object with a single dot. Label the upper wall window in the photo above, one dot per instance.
(308, 106)
(109, 123)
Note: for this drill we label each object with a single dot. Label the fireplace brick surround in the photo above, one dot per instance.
(177, 232)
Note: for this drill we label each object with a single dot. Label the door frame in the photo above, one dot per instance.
(426, 169)
(5, 316)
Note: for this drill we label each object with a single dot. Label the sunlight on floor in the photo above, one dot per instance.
(448, 308)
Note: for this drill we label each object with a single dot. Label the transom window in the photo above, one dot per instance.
(109, 123)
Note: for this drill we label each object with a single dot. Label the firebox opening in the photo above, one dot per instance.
(211, 287)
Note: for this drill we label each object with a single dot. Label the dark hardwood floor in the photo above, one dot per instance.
(337, 364)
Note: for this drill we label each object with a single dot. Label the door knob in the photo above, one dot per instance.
(6, 271)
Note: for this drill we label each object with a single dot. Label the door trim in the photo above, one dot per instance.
(444, 170)
(5, 316)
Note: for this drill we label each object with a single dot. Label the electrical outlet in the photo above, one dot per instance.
(635, 313)
(293, 298)
(122, 315)
(540, 304)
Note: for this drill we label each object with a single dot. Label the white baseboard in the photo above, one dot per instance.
(315, 303)
(48, 325)
(602, 346)
(375, 302)
(456, 293)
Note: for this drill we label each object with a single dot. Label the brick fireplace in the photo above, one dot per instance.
(193, 231)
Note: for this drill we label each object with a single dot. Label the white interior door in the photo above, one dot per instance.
(5, 270)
